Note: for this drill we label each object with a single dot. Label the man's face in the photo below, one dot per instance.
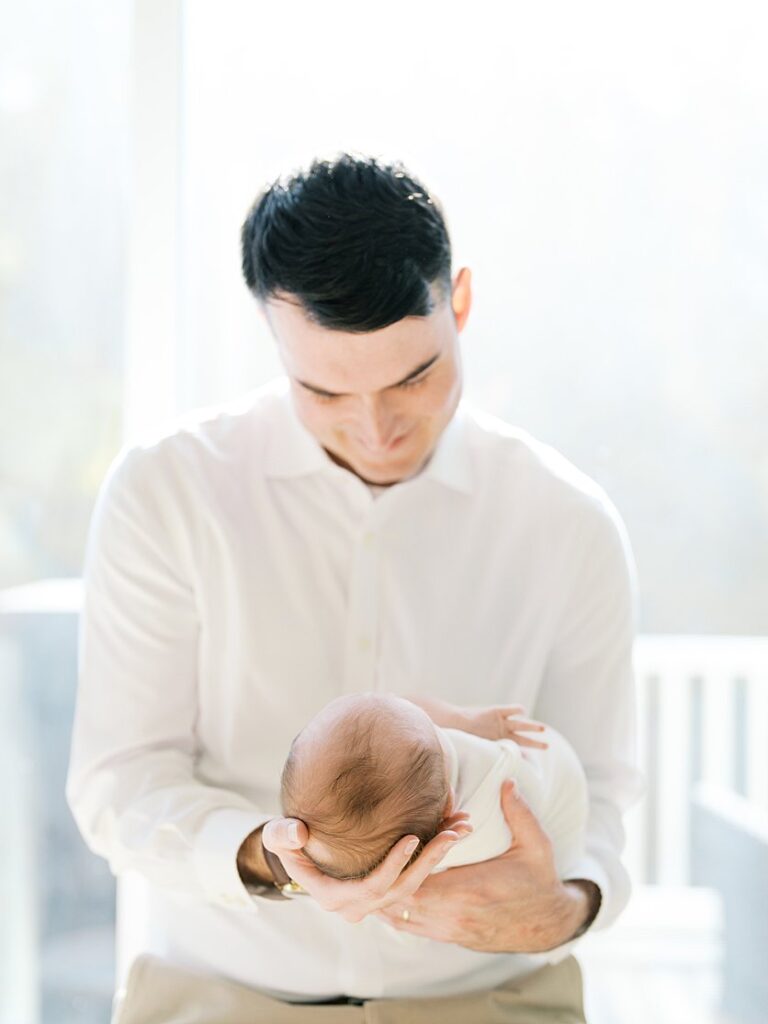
(377, 402)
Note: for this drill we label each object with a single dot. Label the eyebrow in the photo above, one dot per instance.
(340, 394)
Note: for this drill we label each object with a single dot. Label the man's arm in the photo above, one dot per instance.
(517, 902)
(251, 863)
(588, 695)
(131, 785)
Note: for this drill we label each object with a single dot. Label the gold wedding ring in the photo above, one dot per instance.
(406, 915)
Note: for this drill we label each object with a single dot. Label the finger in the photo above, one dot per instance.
(394, 920)
(280, 834)
(529, 725)
(512, 709)
(353, 898)
(523, 823)
(457, 822)
(526, 741)
(414, 927)
(322, 887)
(461, 828)
(456, 815)
(413, 876)
(392, 916)
(386, 874)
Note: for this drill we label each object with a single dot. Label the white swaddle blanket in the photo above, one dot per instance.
(552, 782)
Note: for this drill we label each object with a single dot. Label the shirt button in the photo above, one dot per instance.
(369, 539)
(364, 643)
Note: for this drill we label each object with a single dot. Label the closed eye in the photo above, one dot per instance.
(415, 382)
(329, 396)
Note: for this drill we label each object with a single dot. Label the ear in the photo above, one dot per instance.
(461, 300)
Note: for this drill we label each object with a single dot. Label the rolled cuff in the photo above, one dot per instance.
(590, 870)
(215, 856)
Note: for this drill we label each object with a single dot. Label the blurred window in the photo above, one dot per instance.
(602, 169)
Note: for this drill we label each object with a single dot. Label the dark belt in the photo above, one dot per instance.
(337, 1001)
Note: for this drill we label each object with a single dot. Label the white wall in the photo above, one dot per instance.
(602, 166)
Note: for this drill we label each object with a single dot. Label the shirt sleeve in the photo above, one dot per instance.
(588, 695)
(131, 784)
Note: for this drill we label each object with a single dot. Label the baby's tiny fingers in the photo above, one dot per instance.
(516, 724)
(512, 709)
(526, 741)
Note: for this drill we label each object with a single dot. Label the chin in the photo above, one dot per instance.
(389, 473)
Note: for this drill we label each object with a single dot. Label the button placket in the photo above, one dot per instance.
(361, 961)
(363, 610)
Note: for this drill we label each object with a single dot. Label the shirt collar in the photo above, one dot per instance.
(451, 462)
(292, 451)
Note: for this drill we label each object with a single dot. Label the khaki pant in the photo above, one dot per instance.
(157, 993)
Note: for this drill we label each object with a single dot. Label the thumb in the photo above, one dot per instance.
(284, 834)
(522, 822)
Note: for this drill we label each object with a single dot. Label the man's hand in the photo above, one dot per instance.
(391, 882)
(514, 903)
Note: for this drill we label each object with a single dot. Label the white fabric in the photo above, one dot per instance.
(551, 781)
(237, 579)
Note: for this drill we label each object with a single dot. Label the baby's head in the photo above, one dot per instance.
(365, 771)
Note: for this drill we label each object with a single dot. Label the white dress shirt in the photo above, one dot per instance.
(237, 579)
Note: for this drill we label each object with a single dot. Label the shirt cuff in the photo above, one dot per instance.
(215, 856)
(591, 870)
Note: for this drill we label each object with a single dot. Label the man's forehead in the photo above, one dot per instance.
(346, 362)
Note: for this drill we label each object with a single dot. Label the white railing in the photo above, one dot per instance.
(702, 719)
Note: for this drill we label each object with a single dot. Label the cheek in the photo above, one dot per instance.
(315, 416)
(440, 398)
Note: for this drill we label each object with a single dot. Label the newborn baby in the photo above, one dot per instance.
(373, 767)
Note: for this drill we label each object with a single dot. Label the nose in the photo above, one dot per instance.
(378, 422)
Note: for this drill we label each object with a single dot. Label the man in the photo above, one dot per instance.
(355, 527)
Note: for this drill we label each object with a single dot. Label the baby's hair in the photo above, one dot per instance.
(360, 794)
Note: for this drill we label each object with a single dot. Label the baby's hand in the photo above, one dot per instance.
(501, 722)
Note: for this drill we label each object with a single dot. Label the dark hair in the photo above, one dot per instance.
(359, 244)
(371, 795)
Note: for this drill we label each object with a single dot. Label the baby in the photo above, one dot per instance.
(373, 767)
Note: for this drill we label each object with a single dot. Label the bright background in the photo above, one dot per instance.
(604, 171)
